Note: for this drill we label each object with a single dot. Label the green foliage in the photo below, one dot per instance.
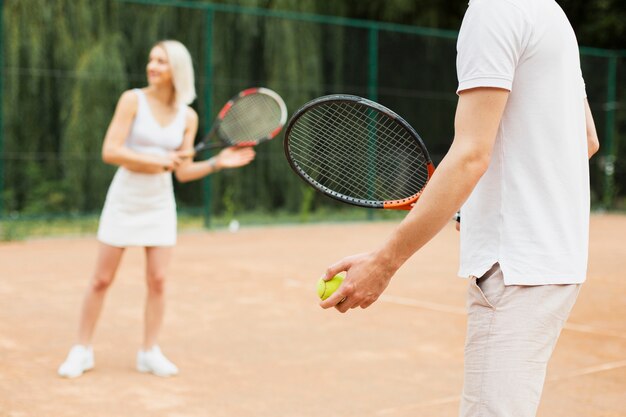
(230, 207)
(600, 23)
(67, 62)
(308, 195)
(89, 112)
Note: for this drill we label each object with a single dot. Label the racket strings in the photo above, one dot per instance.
(385, 181)
(390, 132)
(387, 122)
(318, 160)
(340, 143)
(318, 168)
(359, 152)
(251, 118)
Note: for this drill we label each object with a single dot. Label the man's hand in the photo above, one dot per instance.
(367, 277)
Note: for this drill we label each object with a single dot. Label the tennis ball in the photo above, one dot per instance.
(326, 288)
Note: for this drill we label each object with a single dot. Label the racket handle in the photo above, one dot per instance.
(198, 147)
(203, 146)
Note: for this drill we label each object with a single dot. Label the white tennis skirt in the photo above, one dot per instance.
(140, 210)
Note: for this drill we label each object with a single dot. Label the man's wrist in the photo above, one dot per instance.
(386, 258)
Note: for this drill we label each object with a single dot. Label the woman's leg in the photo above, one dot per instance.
(158, 259)
(106, 266)
(149, 358)
(80, 358)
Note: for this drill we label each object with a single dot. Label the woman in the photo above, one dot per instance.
(150, 136)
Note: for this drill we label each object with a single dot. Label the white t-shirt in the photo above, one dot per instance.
(530, 211)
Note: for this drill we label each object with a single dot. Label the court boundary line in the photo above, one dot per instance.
(460, 311)
(590, 370)
(446, 308)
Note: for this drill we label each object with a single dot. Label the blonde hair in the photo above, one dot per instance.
(182, 70)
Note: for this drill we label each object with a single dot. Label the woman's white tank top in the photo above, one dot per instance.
(147, 136)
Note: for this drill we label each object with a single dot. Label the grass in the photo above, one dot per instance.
(14, 228)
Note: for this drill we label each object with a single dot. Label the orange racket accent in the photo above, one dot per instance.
(431, 169)
(407, 203)
(404, 204)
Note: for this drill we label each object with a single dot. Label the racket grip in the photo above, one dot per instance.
(202, 146)
(199, 147)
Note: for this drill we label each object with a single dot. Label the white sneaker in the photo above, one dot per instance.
(79, 360)
(155, 362)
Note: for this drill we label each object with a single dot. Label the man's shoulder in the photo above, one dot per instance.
(526, 8)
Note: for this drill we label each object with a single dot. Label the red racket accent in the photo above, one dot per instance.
(275, 132)
(248, 92)
(244, 144)
(225, 109)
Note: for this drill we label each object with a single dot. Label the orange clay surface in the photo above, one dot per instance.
(245, 328)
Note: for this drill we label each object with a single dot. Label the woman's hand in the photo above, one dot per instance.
(234, 157)
(157, 164)
(177, 158)
(172, 161)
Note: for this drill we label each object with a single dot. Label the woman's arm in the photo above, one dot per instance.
(227, 158)
(114, 151)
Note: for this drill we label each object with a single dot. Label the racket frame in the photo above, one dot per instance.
(401, 204)
(205, 144)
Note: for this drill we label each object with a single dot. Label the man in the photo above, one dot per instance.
(518, 165)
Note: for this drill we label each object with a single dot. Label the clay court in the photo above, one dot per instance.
(244, 326)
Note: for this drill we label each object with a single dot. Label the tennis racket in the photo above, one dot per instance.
(253, 116)
(358, 152)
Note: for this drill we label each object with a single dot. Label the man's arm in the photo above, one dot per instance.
(593, 144)
(476, 123)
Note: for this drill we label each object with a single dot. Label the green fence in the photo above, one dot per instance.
(61, 81)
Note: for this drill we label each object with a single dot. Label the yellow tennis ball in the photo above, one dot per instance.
(326, 288)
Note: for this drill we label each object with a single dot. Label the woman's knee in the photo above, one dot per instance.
(156, 282)
(101, 282)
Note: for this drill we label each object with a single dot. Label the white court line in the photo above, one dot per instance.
(583, 328)
(456, 398)
(404, 301)
(589, 370)
(439, 401)
(410, 302)
(445, 308)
